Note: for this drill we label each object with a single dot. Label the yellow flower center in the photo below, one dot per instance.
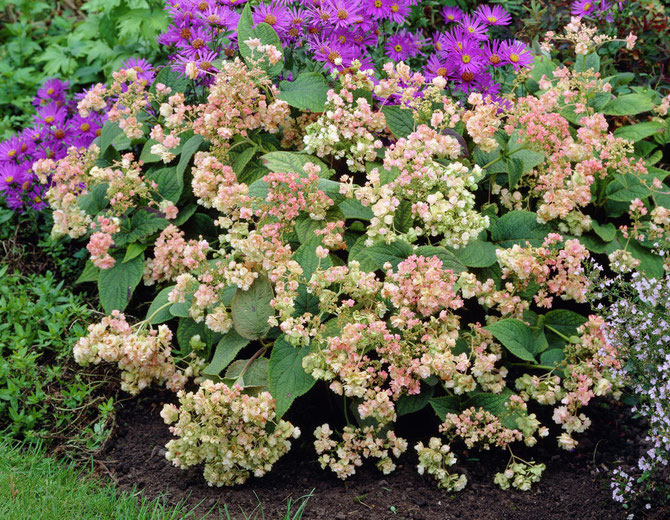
(11, 153)
(198, 43)
(471, 29)
(37, 199)
(49, 119)
(50, 91)
(492, 19)
(398, 48)
(270, 19)
(513, 58)
(202, 6)
(465, 58)
(342, 14)
(587, 6)
(495, 59)
(395, 8)
(10, 179)
(451, 17)
(442, 71)
(85, 127)
(378, 3)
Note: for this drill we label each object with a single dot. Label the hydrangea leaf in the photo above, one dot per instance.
(516, 337)
(251, 309)
(639, 131)
(292, 162)
(225, 352)
(287, 378)
(307, 92)
(476, 254)
(413, 403)
(155, 313)
(116, 285)
(255, 375)
(89, 274)
(449, 259)
(444, 405)
(518, 227)
(190, 147)
(399, 120)
(374, 257)
(628, 105)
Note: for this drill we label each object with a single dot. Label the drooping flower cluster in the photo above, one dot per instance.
(357, 444)
(228, 431)
(143, 356)
(434, 460)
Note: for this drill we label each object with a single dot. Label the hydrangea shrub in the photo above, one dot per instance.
(367, 232)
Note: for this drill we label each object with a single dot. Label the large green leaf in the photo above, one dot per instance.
(518, 227)
(444, 405)
(495, 404)
(190, 147)
(267, 36)
(256, 375)
(399, 120)
(170, 78)
(142, 225)
(110, 131)
(286, 376)
(375, 256)
(161, 300)
(449, 259)
(170, 183)
(116, 285)
(307, 92)
(413, 403)
(293, 162)
(306, 257)
(251, 309)
(639, 131)
(225, 352)
(476, 254)
(515, 336)
(628, 105)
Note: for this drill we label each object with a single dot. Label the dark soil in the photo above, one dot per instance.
(575, 485)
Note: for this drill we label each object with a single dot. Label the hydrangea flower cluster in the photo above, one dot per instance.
(337, 32)
(227, 430)
(143, 356)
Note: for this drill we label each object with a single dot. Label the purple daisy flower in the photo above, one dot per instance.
(273, 14)
(197, 42)
(454, 40)
(474, 27)
(439, 41)
(582, 8)
(375, 9)
(451, 14)
(399, 46)
(468, 58)
(334, 55)
(52, 91)
(493, 53)
(516, 53)
(397, 10)
(51, 114)
(204, 63)
(12, 177)
(437, 66)
(85, 126)
(345, 12)
(10, 150)
(144, 69)
(493, 15)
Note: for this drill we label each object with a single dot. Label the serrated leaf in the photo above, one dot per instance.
(444, 405)
(628, 105)
(606, 232)
(413, 403)
(243, 158)
(190, 147)
(155, 315)
(515, 336)
(374, 257)
(170, 183)
(352, 208)
(134, 250)
(514, 171)
(399, 120)
(305, 255)
(307, 92)
(225, 352)
(518, 227)
(142, 225)
(251, 309)
(287, 378)
(552, 357)
(639, 131)
(110, 131)
(449, 259)
(89, 274)
(292, 162)
(116, 285)
(255, 375)
(476, 254)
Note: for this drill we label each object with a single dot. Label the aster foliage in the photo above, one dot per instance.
(368, 229)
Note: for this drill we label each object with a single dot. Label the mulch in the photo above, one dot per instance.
(575, 485)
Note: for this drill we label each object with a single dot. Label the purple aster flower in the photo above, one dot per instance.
(516, 53)
(399, 46)
(363, 38)
(437, 66)
(454, 40)
(221, 16)
(274, 14)
(51, 114)
(85, 126)
(375, 9)
(52, 91)
(439, 41)
(334, 55)
(204, 63)
(144, 69)
(582, 8)
(451, 14)
(493, 15)
(197, 42)
(467, 81)
(12, 177)
(469, 57)
(10, 150)
(493, 53)
(474, 27)
(345, 12)
(396, 10)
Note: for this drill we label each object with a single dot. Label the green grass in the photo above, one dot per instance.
(36, 487)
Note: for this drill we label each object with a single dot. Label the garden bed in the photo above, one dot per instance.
(574, 484)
